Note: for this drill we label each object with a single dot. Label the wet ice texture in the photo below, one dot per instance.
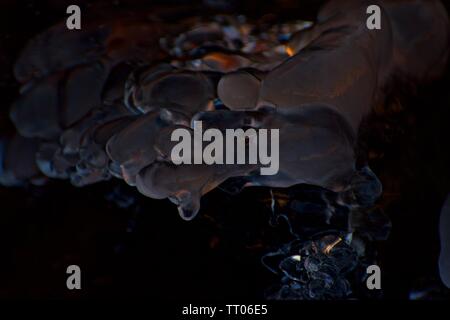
(99, 102)
(313, 269)
(332, 233)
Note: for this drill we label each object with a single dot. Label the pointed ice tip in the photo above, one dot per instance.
(187, 213)
(188, 204)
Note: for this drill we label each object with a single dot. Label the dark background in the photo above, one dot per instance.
(131, 246)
